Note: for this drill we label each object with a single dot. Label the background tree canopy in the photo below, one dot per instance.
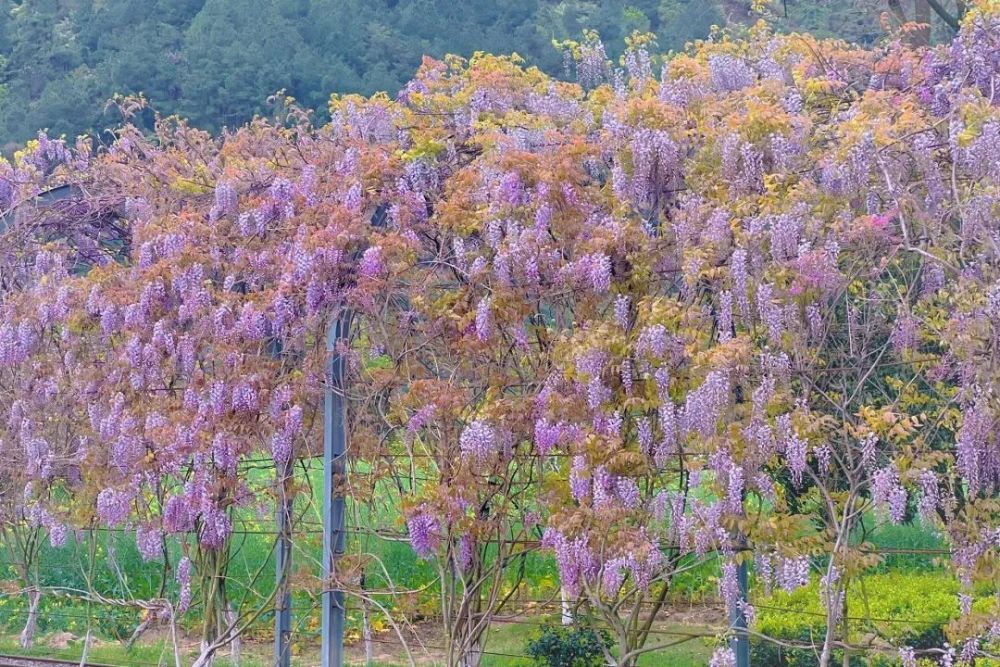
(216, 61)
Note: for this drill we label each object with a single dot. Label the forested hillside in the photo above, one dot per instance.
(217, 61)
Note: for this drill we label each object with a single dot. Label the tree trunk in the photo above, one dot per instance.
(845, 630)
(567, 610)
(140, 629)
(366, 631)
(86, 648)
(28, 633)
(210, 624)
(824, 658)
(471, 657)
(827, 655)
(235, 646)
(206, 657)
(625, 648)
(464, 650)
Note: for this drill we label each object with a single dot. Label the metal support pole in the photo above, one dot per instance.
(334, 459)
(283, 563)
(738, 620)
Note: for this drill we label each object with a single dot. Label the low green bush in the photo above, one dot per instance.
(569, 647)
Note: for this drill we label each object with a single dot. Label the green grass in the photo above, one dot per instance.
(145, 655)
(907, 536)
(512, 638)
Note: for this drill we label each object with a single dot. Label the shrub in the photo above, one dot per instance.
(569, 647)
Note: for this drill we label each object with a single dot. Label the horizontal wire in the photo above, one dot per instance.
(396, 535)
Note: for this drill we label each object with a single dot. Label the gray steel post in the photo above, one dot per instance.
(283, 563)
(738, 620)
(334, 459)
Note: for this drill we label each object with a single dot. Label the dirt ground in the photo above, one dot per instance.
(425, 640)
(422, 642)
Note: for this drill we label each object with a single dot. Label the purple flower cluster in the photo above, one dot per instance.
(371, 263)
(478, 440)
(725, 319)
(183, 576)
(354, 198)
(57, 535)
(723, 657)
(869, 451)
(705, 405)
(419, 420)
(579, 480)
(628, 492)
(653, 341)
(642, 569)
(930, 496)
(593, 66)
(244, 398)
(225, 201)
(547, 435)
(606, 490)
(969, 652)
(613, 576)
(215, 528)
(730, 73)
(654, 160)
(977, 456)
(791, 573)
(904, 334)
(729, 588)
(764, 564)
(48, 153)
(793, 447)
(785, 231)
(626, 376)
(602, 488)
(149, 542)
(621, 311)
(577, 563)
(738, 273)
(424, 530)
(555, 106)
(964, 604)
(113, 506)
(823, 454)
(638, 65)
(598, 267)
(224, 454)
(511, 190)
(887, 489)
(784, 152)
(281, 447)
(667, 446)
(771, 314)
(742, 166)
(484, 319)
(178, 515)
(466, 552)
